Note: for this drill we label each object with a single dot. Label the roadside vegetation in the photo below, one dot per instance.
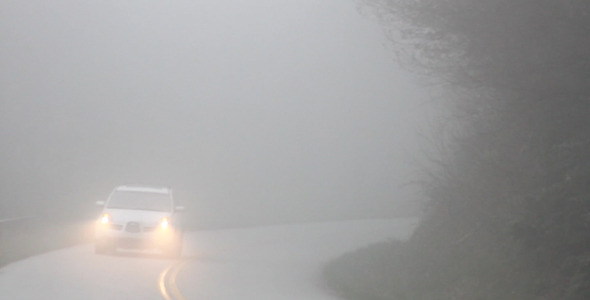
(509, 194)
(27, 237)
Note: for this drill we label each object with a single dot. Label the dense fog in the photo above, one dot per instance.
(252, 111)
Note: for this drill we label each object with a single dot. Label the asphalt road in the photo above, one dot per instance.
(275, 262)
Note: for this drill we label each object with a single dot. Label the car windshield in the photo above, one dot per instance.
(140, 201)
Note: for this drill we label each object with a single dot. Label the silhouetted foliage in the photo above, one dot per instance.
(509, 216)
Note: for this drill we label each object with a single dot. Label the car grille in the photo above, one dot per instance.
(133, 227)
(148, 229)
(116, 226)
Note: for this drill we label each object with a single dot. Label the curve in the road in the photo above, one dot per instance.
(167, 282)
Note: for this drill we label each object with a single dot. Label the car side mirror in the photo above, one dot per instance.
(179, 208)
(100, 203)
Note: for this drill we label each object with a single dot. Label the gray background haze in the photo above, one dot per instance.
(253, 111)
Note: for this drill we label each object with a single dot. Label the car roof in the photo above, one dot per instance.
(143, 189)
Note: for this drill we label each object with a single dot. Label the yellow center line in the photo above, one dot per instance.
(167, 282)
(162, 283)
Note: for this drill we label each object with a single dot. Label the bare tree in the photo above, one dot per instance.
(510, 206)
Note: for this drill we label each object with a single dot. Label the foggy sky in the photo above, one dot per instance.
(251, 110)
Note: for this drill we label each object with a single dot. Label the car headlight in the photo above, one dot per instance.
(106, 218)
(164, 224)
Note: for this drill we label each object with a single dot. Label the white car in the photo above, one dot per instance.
(139, 217)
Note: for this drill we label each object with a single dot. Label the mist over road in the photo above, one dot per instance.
(292, 107)
(254, 113)
(275, 262)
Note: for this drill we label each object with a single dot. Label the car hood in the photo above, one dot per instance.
(119, 216)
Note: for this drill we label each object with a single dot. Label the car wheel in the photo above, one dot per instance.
(104, 247)
(99, 248)
(174, 250)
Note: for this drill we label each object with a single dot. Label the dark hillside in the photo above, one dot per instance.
(509, 212)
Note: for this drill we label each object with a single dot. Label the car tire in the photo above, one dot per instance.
(104, 247)
(99, 248)
(174, 250)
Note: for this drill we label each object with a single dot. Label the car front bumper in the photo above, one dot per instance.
(118, 236)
